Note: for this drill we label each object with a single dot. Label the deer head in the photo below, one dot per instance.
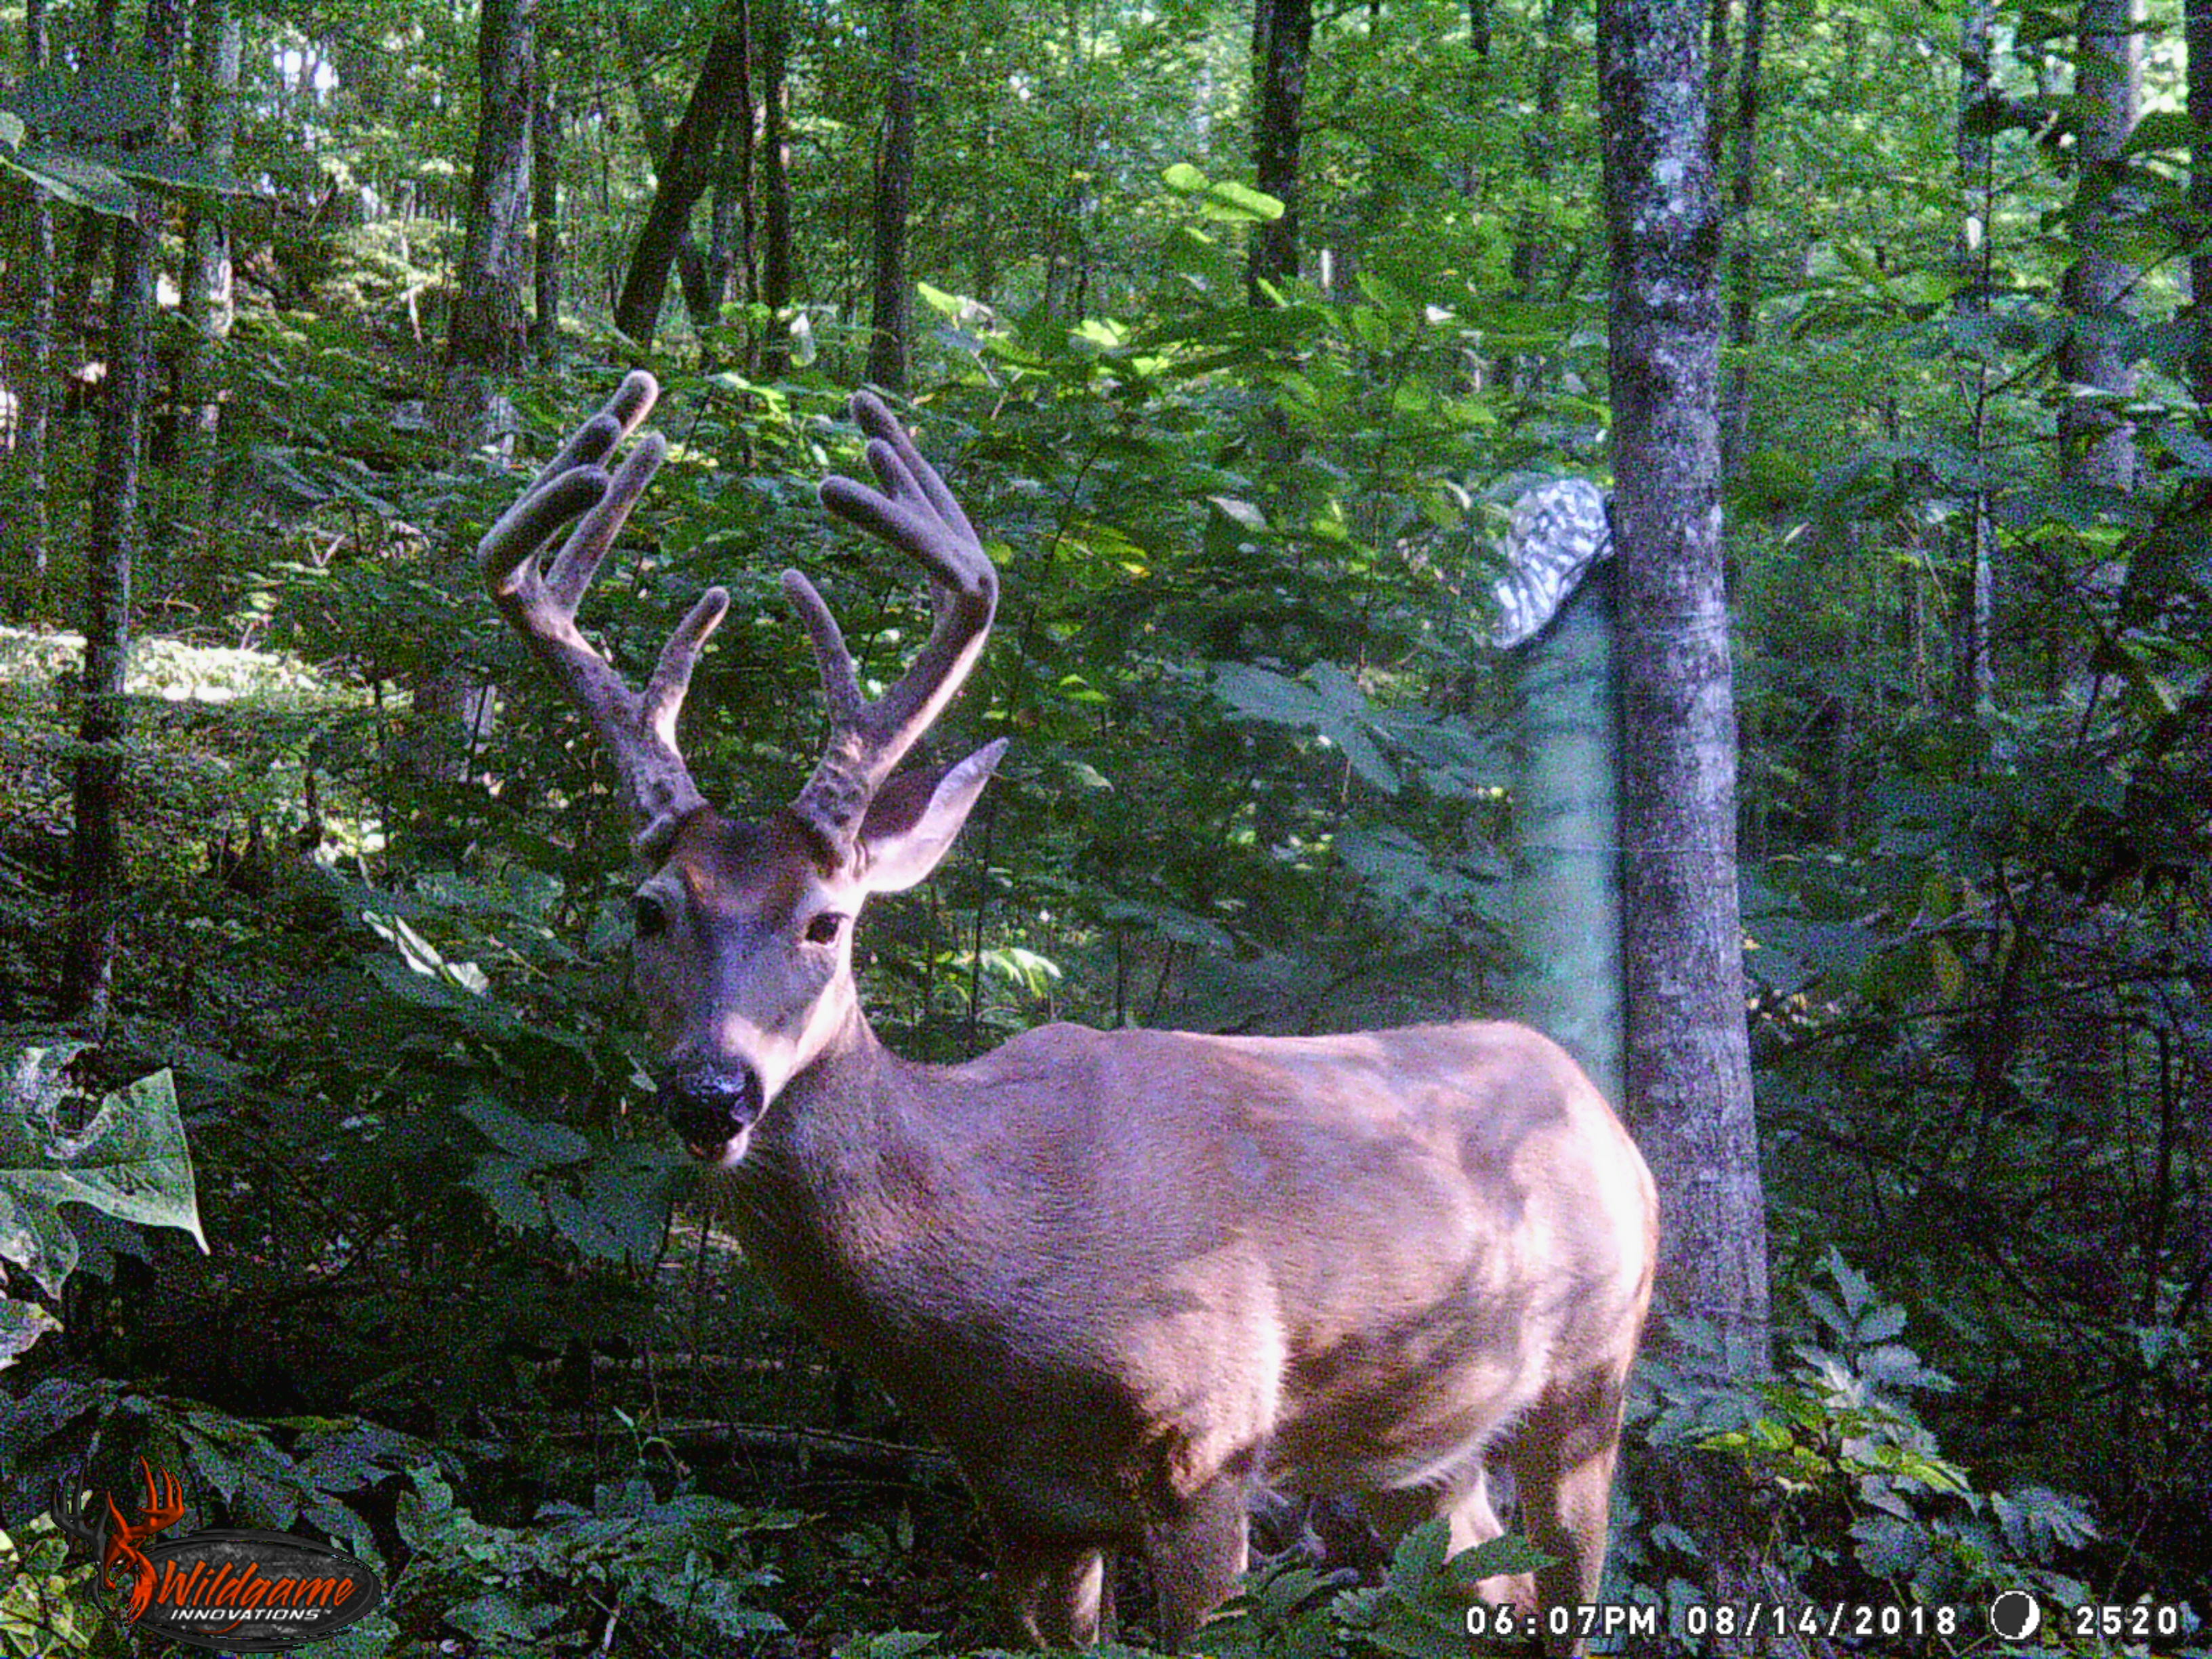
(764, 912)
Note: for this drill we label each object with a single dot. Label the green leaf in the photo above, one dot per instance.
(424, 957)
(1421, 1554)
(1224, 201)
(22, 1324)
(1334, 707)
(534, 1143)
(890, 1645)
(1889, 1547)
(1234, 203)
(505, 1184)
(75, 180)
(170, 167)
(131, 1162)
(1169, 922)
(943, 304)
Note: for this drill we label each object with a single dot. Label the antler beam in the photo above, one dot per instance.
(919, 517)
(540, 599)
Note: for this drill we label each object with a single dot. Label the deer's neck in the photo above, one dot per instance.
(845, 1182)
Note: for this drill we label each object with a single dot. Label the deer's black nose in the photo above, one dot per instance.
(710, 1106)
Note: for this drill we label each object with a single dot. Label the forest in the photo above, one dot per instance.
(335, 1181)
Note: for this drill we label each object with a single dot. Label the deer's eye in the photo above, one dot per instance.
(824, 929)
(651, 915)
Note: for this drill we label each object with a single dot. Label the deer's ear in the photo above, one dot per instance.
(914, 818)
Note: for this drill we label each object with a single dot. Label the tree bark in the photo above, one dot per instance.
(206, 300)
(1688, 1062)
(1282, 42)
(1743, 274)
(731, 257)
(778, 268)
(2096, 440)
(1539, 144)
(2197, 28)
(684, 173)
(487, 337)
(488, 332)
(35, 408)
(98, 48)
(891, 328)
(96, 876)
(1689, 1056)
(1973, 690)
(545, 217)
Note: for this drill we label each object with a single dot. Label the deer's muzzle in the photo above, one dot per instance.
(710, 1106)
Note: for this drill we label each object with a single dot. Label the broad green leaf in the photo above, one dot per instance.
(22, 1324)
(1335, 707)
(1233, 202)
(131, 1162)
(1169, 922)
(538, 1143)
(424, 957)
(1888, 1548)
(1243, 512)
(76, 181)
(173, 167)
(943, 304)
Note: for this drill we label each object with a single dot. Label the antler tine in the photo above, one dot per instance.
(919, 517)
(73, 1514)
(166, 1508)
(540, 599)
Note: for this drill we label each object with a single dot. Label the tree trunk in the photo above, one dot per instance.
(652, 103)
(35, 410)
(487, 334)
(98, 49)
(1282, 41)
(733, 187)
(730, 241)
(890, 333)
(545, 217)
(1743, 274)
(96, 840)
(684, 173)
(1532, 231)
(2097, 441)
(694, 281)
(1688, 1054)
(778, 273)
(486, 339)
(2196, 26)
(1973, 687)
(208, 306)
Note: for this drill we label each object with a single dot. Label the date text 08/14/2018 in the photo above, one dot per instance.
(1699, 1621)
(1855, 1620)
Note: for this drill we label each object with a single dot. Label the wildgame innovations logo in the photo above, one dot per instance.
(240, 1590)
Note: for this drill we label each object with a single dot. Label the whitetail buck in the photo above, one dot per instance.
(1124, 1276)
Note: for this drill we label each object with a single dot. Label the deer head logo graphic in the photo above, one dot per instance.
(115, 1542)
